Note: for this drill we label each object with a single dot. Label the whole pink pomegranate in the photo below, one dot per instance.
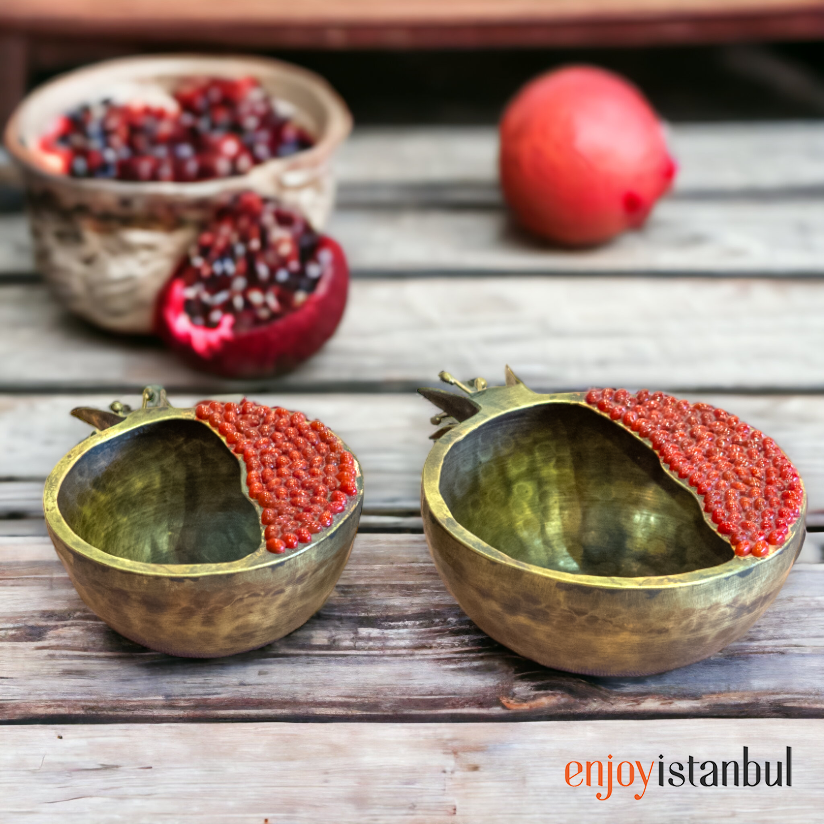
(583, 156)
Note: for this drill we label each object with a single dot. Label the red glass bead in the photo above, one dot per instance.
(760, 549)
(743, 477)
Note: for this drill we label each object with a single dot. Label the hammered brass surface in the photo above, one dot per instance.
(563, 537)
(151, 523)
(164, 493)
(561, 487)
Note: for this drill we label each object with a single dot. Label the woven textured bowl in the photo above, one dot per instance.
(107, 246)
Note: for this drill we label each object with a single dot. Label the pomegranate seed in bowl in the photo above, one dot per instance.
(218, 127)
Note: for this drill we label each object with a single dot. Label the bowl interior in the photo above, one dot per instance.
(311, 102)
(169, 492)
(561, 487)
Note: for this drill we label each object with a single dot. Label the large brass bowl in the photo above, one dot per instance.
(564, 537)
(149, 517)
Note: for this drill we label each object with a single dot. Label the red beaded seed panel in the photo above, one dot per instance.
(750, 490)
(298, 471)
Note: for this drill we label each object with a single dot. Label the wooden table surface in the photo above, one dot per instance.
(720, 297)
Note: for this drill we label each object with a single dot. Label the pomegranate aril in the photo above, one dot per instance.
(206, 137)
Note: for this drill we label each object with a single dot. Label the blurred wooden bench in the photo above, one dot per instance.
(333, 24)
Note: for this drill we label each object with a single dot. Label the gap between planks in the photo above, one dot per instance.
(389, 645)
(421, 774)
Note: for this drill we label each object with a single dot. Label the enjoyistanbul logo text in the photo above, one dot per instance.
(610, 774)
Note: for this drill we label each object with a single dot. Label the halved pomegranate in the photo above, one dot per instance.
(259, 292)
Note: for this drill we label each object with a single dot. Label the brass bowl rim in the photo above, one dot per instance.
(502, 401)
(257, 559)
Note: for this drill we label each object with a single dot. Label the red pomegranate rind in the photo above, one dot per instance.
(298, 471)
(751, 492)
(222, 127)
(257, 294)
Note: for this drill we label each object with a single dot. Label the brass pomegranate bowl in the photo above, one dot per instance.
(586, 545)
(107, 246)
(161, 524)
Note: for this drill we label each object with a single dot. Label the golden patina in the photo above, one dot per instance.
(563, 536)
(149, 517)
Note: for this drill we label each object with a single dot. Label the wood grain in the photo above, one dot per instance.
(729, 237)
(370, 11)
(426, 773)
(389, 434)
(710, 237)
(458, 164)
(389, 644)
(684, 334)
(438, 165)
(731, 213)
(327, 23)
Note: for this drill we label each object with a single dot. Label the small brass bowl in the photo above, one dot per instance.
(564, 537)
(150, 518)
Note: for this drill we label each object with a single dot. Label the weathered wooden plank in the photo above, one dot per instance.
(423, 24)
(427, 773)
(752, 236)
(389, 644)
(458, 164)
(388, 433)
(686, 334)
(730, 237)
